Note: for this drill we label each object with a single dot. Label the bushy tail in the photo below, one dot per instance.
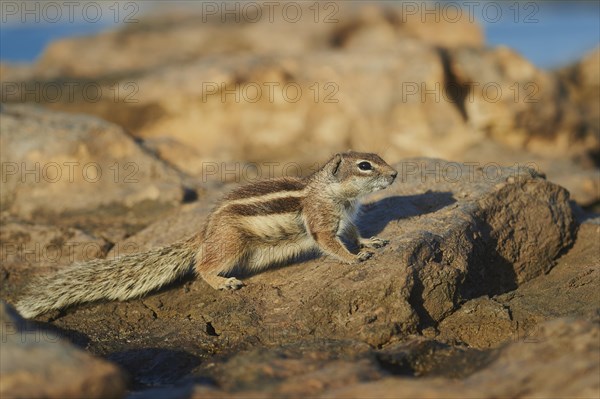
(122, 278)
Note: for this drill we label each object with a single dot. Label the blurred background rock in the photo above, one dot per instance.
(228, 82)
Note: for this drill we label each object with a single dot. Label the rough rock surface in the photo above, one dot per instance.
(457, 233)
(436, 260)
(81, 162)
(28, 249)
(569, 290)
(38, 363)
(560, 360)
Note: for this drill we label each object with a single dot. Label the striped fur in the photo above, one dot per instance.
(250, 229)
(122, 278)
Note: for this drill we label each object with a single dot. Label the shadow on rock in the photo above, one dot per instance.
(377, 215)
(428, 358)
(75, 337)
(489, 273)
(155, 366)
(46, 331)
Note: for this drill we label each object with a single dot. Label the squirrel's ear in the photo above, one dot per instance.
(334, 165)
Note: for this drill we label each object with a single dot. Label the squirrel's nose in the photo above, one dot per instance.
(394, 174)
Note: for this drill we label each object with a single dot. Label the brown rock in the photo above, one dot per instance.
(307, 329)
(480, 323)
(241, 104)
(80, 162)
(201, 31)
(29, 249)
(38, 364)
(569, 289)
(475, 256)
(226, 109)
(583, 82)
(184, 221)
(516, 104)
(449, 243)
(440, 24)
(413, 79)
(561, 360)
(197, 102)
(48, 246)
(582, 181)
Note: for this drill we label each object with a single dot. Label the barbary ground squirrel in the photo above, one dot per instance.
(255, 226)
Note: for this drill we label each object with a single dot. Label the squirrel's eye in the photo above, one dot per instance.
(365, 166)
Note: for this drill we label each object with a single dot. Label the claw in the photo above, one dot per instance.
(364, 255)
(375, 242)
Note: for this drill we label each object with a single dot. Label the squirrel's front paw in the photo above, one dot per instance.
(374, 242)
(231, 283)
(363, 256)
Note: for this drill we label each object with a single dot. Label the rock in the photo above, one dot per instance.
(581, 180)
(440, 25)
(463, 301)
(186, 220)
(233, 94)
(221, 110)
(146, 42)
(568, 290)
(560, 360)
(480, 323)
(39, 364)
(395, 388)
(299, 369)
(372, 26)
(310, 368)
(449, 226)
(30, 249)
(518, 105)
(207, 114)
(80, 162)
(48, 246)
(424, 357)
(583, 82)
(459, 234)
(172, 96)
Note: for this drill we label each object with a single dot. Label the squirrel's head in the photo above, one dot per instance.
(354, 174)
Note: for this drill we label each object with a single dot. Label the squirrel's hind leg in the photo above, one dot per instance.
(220, 256)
